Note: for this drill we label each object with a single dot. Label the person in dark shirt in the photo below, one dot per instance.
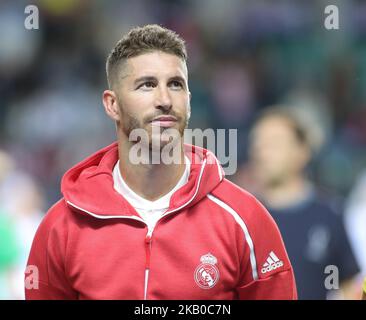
(312, 230)
(315, 238)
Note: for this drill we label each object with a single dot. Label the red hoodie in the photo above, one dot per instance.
(216, 241)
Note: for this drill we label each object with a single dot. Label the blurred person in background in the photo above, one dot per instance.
(24, 202)
(20, 214)
(8, 255)
(8, 245)
(312, 230)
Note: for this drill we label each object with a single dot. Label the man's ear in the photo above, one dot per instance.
(111, 104)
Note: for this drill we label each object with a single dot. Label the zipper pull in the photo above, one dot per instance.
(147, 249)
(148, 239)
(149, 232)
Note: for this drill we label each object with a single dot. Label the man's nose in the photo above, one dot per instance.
(163, 99)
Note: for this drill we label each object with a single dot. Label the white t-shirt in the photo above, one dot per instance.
(150, 211)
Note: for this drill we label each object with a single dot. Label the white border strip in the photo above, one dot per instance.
(242, 224)
(219, 168)
(188, 202)
(105, 217)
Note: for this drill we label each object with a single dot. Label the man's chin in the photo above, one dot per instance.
(159, 144)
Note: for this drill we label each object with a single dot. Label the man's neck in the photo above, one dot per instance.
(287, 193)
(150, 181)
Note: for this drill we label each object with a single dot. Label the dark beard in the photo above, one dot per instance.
(130, 123)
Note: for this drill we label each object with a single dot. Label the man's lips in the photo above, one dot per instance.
(164, 121)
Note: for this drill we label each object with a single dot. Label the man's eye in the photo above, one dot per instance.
(176, 84)
(148, 85)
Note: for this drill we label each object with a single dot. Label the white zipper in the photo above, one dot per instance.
(105, 217)
(146, 282)
(147, 262)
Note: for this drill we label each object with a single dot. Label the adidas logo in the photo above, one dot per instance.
(271, 263)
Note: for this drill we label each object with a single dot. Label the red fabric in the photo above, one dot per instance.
(92, 243)
(261, 289)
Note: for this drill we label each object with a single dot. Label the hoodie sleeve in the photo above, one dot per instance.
(45, 276)
(266, 271)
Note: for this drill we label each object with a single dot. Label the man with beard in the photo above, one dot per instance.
(128, 229)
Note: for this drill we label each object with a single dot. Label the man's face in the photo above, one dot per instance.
(153, 95)
(275, 153)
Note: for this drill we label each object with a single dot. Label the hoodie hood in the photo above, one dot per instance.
(89, 185)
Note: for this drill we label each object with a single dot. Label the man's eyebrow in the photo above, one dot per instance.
(177, 78)
(151, 78)
(145, 78)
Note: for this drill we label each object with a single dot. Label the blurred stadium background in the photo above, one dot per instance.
(243, 57)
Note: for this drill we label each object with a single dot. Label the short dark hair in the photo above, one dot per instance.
(140, 40)
(290, 117)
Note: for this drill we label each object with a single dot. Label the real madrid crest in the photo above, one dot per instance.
(206, 274)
